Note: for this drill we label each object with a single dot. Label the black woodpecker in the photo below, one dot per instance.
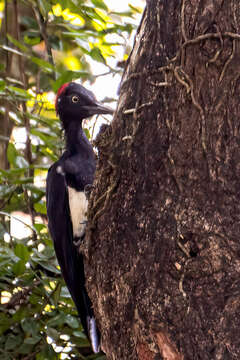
(67, 204)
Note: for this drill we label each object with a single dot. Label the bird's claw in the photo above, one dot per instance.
(78, 241)
(88, 189)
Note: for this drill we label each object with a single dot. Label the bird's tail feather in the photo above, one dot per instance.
(93, 334)
(85, 310)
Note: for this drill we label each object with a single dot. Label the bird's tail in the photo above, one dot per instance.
(93, 333)
(85, 311)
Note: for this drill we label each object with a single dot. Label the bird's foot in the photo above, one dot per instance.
(88, 189)
(80, 244)
(78, 241)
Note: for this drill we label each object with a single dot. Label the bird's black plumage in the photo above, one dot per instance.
(66, 201)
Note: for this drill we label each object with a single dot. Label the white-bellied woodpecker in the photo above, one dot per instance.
(66, 199)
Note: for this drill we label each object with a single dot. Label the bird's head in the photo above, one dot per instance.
(75, 102)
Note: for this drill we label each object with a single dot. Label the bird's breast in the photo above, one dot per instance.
(78, 204)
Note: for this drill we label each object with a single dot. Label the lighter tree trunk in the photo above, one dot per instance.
(12, 70)
(163, 246)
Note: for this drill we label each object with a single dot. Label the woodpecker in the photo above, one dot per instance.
(67, 181)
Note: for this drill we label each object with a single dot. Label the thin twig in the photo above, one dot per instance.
(209, 36)
(108, 73)
(43, 29)
(190, 87)
(94, 124)
(180, 80)
(4, 203)
(183, 248)
(145, 72)
(170, 66)
(228, 61)
(21, 221)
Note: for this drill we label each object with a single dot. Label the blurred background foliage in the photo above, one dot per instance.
(44, 44)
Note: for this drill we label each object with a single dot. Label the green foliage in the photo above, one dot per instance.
(47, 43)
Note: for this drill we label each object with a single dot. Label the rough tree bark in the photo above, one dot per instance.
(163, 249)
(12, 70)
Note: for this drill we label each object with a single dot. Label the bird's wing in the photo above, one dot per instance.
(60, 227)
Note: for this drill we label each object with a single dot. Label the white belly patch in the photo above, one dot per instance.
(78, 204)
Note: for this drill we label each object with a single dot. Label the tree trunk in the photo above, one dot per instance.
(163, 249)
(12, 69)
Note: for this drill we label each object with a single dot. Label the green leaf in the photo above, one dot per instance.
(32, 40)
(25, 348)
(56, 321)
(32, 340)
(12, 342)
(2, 232)
(14, 158)
(6, 357)
(20, 92)
(96, 54)
(44, 65)
(79, 334)
(44, 7)
(47, 354)
(135, 9)
(30, 326)
(123, 13)
(11, 153)
(72, 321)
(6, 190)
(26, 180)
(35, 299)
(45, 137)
(53, 333)
(22, 252)
(68, 76)
(49, 267)
(99, 4)
(29, 22)
(19, 267)
(40, 207)
(40, 227)
(56, 294)
(17, 43)
(2, 84)
(22, 313)
(5, 322)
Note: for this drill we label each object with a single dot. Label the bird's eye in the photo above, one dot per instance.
(75, 98)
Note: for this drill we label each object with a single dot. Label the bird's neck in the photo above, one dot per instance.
(76, 140)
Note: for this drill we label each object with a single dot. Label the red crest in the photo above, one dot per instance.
(60, 91)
